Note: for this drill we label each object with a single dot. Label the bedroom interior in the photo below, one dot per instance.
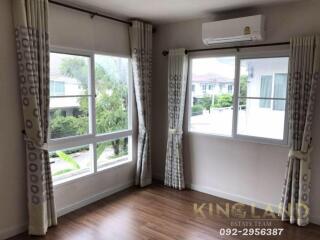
(142, 119)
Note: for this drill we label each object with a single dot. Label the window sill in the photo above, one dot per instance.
(242, 138)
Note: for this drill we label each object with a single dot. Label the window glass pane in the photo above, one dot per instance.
(69, 74)
(280, 90)
(211, 108)
(265, 91)
(112, 151)
(111, 77)
(261, 122)
(71, 162)
(252, 71)
(68, 117)
(57, 88)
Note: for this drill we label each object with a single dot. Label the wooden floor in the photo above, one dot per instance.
(159, 213)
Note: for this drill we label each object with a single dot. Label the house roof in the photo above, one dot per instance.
(211, 78)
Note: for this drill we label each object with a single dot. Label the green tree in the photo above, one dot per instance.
(76, 68)
(223, 100)
(61, 126)
(206, 102)
(111, 104)
(197, 109)
(243, 89)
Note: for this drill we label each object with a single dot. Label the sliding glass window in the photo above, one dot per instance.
(90, 113)
(211, 96)
(244, 97)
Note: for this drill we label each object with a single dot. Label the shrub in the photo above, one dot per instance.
(243, 90)
(206, 102)
(61, 126)
(222, 100)
(197, 109)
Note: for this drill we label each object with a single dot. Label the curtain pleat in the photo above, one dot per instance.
(32, 43)
(141, 53)
(303, 79)
(177, 83)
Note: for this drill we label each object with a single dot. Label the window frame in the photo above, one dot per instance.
(93, 138)
(253, 54)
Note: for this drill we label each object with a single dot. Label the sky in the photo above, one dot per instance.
(223, 66)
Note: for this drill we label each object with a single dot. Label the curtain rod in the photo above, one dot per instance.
(92, 14)
(165, 52)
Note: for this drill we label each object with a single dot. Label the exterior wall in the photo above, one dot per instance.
(216, 89)
(261, 69)
(239, 170)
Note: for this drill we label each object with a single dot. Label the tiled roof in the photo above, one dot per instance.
(211, 78)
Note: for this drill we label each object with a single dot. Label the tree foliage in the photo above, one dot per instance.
(63, 126)
(223, 100)
(206, 102)
(111, 104)
(243, 89)
(197, 109)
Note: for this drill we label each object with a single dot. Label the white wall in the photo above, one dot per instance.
(13, 213)
(238, 170)
(68, 28)
(72, 29)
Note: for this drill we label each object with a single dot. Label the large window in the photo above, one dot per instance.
(250, 101)
(211, 111)
(90, 113)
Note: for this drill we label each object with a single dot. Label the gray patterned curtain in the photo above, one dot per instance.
(141, 53)
(177, 82)
(303, 78)
(31, 26)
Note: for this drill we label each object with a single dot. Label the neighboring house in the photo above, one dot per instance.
(267, 80)
(210, 85)
(64, 86)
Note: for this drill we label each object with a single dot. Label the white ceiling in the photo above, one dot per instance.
(164, 11)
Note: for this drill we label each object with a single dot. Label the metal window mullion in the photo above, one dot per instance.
(112, 136)
(70, 142)
(264, 98)
(130, 108)
(189, 89)
(93, 110)
(272, 91)
(130, 95)
(70, 96)
(236, 96)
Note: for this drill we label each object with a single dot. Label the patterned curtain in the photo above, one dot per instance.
(303, 78)
(177, 82)
(141, 53)
(31, 26)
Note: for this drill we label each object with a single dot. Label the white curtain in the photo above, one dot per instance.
(32, 43)
(177, 83)
(303, 79)
(141, 53)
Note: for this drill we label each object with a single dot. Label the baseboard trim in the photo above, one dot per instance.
(315, 220)
(158, 177)
(106, 193)
(231, 197)
(12, 231)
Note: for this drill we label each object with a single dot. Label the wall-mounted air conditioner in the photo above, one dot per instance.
(233, 30)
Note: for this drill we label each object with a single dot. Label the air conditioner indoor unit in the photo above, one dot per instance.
(234, 30)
